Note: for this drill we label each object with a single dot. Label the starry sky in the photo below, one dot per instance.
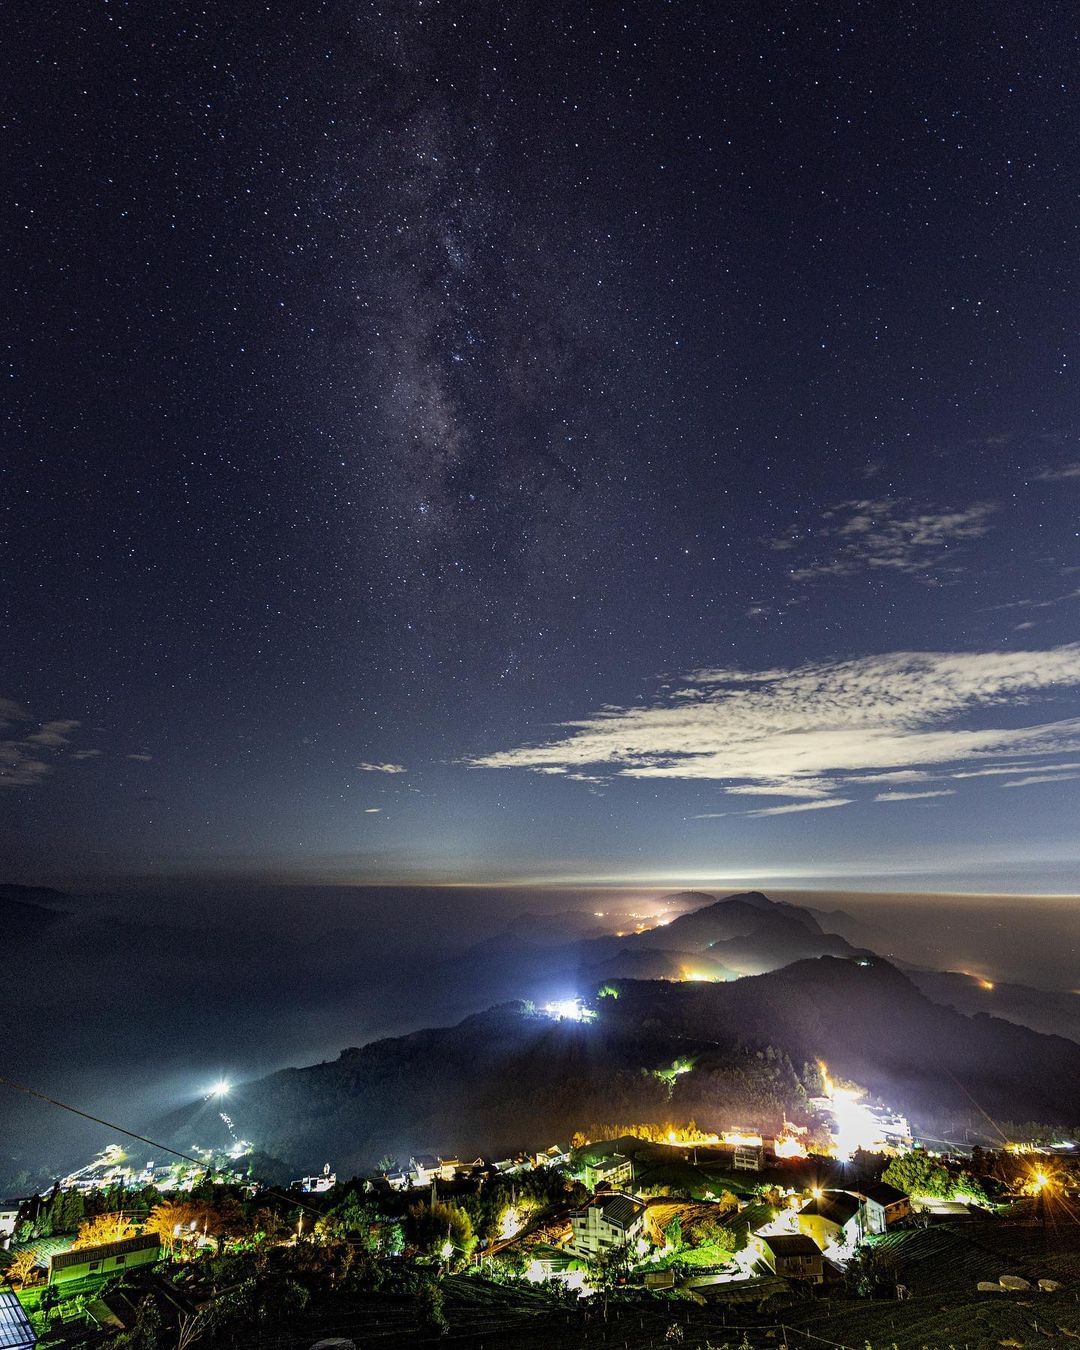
(564, 442)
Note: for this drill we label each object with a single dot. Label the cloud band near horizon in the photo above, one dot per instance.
(810, 731)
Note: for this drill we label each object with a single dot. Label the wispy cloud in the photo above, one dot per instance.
(914, 796)
(1061, 473)
(25, 755)
(1047, 603)
(996, 770)
(792, 807)
(885, 533)
(1035, 779)
(815, 731)
(142, 758)
(366, 767)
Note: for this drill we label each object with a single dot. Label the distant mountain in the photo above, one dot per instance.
(747, 934)
(1053, 1011)
(506, 1077)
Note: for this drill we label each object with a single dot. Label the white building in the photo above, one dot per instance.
(610, 1220)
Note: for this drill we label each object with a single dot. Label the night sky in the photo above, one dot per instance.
(501, 441)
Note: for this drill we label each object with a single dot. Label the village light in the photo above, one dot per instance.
(447, 1250)
(569, 1010)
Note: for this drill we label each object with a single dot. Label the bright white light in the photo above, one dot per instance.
(221, 1088)
(569, 1010)
(854, 1124)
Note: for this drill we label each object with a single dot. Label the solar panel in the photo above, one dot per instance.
(15, 1331)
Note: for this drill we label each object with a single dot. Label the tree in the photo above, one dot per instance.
(431, 1227)
(24, 1268)
(147, 1333)
(673, 1234)
(606, 1270)
(430, 1300)
(103, 1228)
(916, 1173)
(871, 1272)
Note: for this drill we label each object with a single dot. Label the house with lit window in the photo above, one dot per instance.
(555, 1156)
(832, 1219)
(424, 1168)
(609, 1221)
(790, 1255)
(883, 1206)
(111, 1257)
(615, 1170)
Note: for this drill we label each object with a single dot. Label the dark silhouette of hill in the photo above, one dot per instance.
(741, 934)
(507, 1077)
(1056, 1012)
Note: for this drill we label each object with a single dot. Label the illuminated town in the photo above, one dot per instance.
(716, 1212)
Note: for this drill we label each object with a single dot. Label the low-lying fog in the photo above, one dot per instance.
(130, 1003)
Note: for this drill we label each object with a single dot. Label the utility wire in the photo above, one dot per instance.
(142, 1138)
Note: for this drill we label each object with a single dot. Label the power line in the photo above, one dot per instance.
(142, 1138)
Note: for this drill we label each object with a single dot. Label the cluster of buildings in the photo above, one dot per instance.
(820, 1231)
(425, 1168)
(826, 1229)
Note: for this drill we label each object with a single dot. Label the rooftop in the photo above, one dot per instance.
(883, 1193)
(616, 1208)
(80, 1255)
(836, 1206)
(790, 1244)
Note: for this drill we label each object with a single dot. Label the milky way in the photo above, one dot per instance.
(388, 383)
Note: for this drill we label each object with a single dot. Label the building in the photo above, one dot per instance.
(107, 1259)
(883, 1206)
(317, 1185)
(833, 1218)
(9, 1214)
(509, 1167)
(615, 1170)
(748, 1157)
(554, 1156)
(424, 1168)
(609, 1221)
(16, 1332)
(790, 1255)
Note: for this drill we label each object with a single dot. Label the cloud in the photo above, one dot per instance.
(11, 712)
(885, 533)
(85, 754)
(18, 769)
(1035, 779)
(142, 759)
(366, 767)
(24, 755)
(999, 769)
(1036, 604)
(372, 810)
(792, 807)
(54, 734)
(816, 730)
(1060, 474)
(914, 796)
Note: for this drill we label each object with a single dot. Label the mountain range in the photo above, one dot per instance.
(748, 1045)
